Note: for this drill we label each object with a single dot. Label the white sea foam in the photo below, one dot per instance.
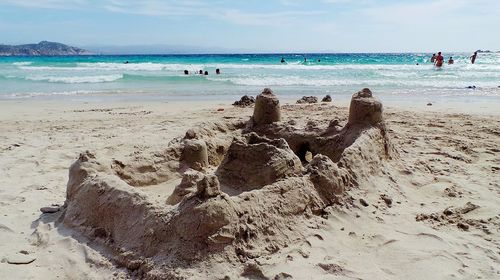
(77, 79)
(51, 68)
(147, 66)
(177, 67)
(21, 95)
(22, 63)
(317, 82)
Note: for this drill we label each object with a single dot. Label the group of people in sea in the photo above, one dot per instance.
(201, 72)
(438, 60)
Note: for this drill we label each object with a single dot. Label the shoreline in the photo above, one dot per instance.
(439, 104)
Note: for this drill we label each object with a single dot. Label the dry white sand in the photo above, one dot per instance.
(446, 160)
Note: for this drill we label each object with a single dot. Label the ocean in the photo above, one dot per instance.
(389, 76)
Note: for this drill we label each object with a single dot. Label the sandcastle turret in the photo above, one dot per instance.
(267, 108)
(195, 154)
(365, 108)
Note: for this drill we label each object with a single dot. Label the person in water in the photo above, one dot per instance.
(200, 72)
(282, 60)
(451, 61)
(433, 58)
(473, 58)
(217, 71)
(206, 73)
(186, 72)
(439, 60)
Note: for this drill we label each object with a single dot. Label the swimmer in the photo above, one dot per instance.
(433, 58)
(439, 60)
(473, 58)
(451, 61)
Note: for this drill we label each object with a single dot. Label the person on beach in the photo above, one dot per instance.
(439, 60)
(473, 58)
(451, 61)
(433, 58)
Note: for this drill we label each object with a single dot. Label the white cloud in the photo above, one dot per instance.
(337, 1)
(156, 8)
(46, 4)
(264, 19)
(211, 10)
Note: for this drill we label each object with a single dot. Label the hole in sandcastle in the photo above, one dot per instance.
(304, 152)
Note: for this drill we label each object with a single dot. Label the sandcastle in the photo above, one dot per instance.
(267, 108)
(242, 189)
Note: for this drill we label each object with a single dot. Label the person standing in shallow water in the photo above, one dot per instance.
(439, 60)
(451, 61)
(473, 58)
(433, 58)
(282, 60)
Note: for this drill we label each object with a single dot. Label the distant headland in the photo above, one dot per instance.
(43, 48)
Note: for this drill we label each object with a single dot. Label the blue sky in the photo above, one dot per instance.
(259, 25)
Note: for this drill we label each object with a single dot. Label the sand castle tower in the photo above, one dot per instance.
(365, 108)
(195, 154)
(267, 108)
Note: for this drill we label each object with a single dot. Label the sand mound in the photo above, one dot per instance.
(248, 189)
(307, 100)
(327, 98)
(256, 162)
(245, 101)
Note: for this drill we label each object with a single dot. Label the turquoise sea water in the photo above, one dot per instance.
(162, 76)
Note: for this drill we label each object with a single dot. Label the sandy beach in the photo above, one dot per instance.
(259, 140)
(432, 213)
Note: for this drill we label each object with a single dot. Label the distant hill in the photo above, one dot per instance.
(41, 49)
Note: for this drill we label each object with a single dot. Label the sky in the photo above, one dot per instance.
(258, 25)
